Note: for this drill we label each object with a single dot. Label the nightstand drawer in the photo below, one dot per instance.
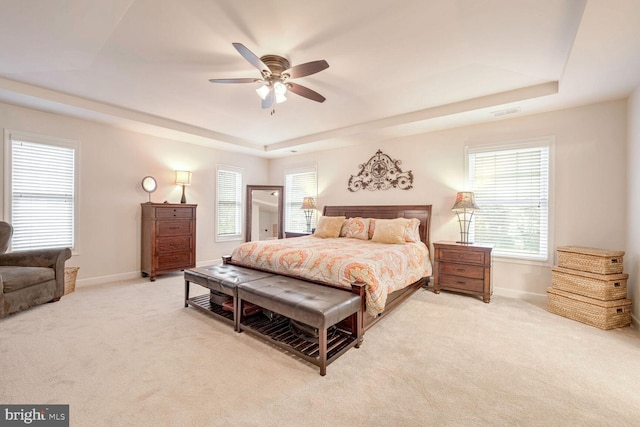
(474, 257)
(462, 283)
(463, 270)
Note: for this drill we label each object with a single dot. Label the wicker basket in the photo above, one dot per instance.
(604, 287)
(601, 314)
(70, 274)
(591, 260)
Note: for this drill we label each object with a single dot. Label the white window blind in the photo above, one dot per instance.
(229, 203)
(298, 184)
(511, 187)
(42, 194)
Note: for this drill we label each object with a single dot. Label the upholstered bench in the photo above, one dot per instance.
(221, 279)
(313, 305)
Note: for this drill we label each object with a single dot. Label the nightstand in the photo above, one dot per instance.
(463, 268)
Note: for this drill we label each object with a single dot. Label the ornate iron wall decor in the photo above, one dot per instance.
(381, 172)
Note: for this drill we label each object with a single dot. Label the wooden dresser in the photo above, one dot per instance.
(463, 268)
(168, 238)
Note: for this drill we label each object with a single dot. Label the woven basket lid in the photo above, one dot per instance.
(599, 303)
(608, 277)
(590, 251)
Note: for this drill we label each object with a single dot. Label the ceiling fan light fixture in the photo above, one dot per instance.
(280, 88)
(263, 91)
(280, 98)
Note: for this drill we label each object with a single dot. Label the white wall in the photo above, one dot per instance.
(632, 255)
(112, 164)
(592, 157)
(590, 179)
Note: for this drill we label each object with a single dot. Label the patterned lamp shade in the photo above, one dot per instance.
(464, 200)
(464, 207)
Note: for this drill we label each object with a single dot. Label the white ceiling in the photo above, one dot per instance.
(396, 68)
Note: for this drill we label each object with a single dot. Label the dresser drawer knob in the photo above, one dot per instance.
(462, 270)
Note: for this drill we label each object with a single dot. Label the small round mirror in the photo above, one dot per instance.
(149, 185)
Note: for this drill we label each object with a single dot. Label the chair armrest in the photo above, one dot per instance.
(53, 258)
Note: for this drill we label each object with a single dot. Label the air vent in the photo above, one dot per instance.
(506, 112)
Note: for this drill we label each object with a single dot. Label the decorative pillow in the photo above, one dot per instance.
(390, 230)
(413, 231)
(356, 228)
(329, 226)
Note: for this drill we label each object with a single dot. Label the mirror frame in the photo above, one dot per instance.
(249, 201)
(149, 185)
(146, 184)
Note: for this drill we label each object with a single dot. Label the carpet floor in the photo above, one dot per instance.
(130, 354)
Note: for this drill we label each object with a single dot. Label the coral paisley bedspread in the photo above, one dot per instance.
(341, 261)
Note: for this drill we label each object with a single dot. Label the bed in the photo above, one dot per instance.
(382, 274)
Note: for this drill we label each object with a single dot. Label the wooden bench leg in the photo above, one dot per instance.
(322, 343)
(186, 293)
(357, 333)
(238, 306)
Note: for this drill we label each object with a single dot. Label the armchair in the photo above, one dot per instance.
(29, 278)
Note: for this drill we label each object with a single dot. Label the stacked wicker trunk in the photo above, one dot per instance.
(589, 286)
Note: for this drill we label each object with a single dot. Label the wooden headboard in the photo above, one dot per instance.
(422, 212)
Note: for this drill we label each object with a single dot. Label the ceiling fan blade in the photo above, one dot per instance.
(306, 69)
(305, 91)
(240, 80)
(251, 57)
(267, 102)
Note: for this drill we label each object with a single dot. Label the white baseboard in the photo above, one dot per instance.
(128, 276)
(107, 279)
(538, 299)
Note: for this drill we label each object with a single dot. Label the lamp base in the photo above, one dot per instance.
(183, 199)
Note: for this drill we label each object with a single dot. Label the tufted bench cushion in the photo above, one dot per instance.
(223, 279)
(312, 304)
(316, 305)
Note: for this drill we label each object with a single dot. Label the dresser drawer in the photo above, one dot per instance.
(176, 260)
(167, 213)
(463, 270)
(174, 228)
(474, 257)
(173, 244)
(462, 283)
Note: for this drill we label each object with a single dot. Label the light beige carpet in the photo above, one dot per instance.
(130, 354)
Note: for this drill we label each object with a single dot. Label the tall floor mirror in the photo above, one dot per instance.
(265, 213)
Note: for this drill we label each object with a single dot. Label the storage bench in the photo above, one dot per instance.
(221, 280)
(313, 305)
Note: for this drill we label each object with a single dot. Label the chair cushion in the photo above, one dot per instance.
(16, 278)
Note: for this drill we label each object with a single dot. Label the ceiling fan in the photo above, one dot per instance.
(276, 73)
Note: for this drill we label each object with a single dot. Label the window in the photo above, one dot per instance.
(41, 191)
(298, 184)
(229, 203)
(511, 187)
